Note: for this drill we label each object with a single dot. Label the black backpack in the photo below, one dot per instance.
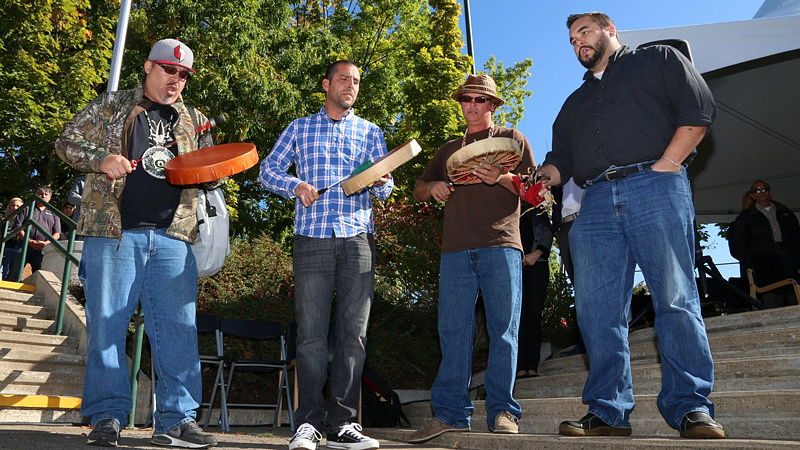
(380, 405)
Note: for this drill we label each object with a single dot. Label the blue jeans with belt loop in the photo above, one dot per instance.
(497, 273)
(160, 271)
(646, 218)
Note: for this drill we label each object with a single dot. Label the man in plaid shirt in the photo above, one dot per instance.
(334, 248)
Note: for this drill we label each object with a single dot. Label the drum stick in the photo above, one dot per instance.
(358, 170)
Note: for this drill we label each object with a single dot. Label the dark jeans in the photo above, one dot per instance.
(534, 293)
(33, 257)
(346, 265)
(10, 257)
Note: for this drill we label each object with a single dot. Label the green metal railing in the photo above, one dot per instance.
(66, 251)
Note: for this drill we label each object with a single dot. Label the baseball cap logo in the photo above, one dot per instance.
(178, 53)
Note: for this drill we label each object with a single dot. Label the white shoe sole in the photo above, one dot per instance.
(175, 442)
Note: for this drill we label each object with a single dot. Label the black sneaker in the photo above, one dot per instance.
(188, 435)
(105, 433)
(349, 437)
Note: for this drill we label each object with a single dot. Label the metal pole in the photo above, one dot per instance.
(470, 50)
(119, 45)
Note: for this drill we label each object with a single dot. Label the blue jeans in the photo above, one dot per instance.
(10, 256)
(160, 271)
(497, 273)
(346, 265)
(645, 218)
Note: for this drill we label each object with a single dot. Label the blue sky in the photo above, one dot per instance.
(513, 30)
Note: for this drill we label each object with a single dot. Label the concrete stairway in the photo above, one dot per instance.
(757, 393)
(41, 375)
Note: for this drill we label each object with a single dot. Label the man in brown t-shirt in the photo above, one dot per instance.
(481, 251)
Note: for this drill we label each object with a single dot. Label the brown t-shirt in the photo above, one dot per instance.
(479, 215)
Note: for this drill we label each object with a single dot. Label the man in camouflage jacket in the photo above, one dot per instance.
(138, 230)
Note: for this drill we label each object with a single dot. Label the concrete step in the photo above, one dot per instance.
(40, 415)
(17, 309)
(781, 341)
(37, 343)
(41, 383)
(756, 373)
(767, 319)
(15, 356)
(13, 323)
(477, 440)
(745, 415)
(13, 295)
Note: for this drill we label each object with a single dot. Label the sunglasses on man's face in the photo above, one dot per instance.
(172, 70)
(761, 189)
(468, 99)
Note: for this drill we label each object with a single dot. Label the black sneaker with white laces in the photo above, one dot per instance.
(349, 437)
(188, 435)
(105, 433)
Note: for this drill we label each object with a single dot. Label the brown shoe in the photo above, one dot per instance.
(506, 423)
(431, 430)
(699, 425)
(590, 425)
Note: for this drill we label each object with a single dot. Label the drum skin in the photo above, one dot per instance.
(211, 163)
(501, 152)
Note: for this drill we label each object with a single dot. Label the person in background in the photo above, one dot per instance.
(69, 210)
(565, 211)
(12, 249)
(37, 241)
(138, 232)
(766, 238)
(334, 250)
(626, 135)
(75, 195)
(537, 238)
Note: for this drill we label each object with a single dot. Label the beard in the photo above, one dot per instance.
(599, 48)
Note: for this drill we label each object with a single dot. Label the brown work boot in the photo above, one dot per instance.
(434, 428)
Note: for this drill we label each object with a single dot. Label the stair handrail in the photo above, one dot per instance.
(66, 251)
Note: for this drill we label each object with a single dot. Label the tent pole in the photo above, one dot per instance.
(119, 45)
(470, 50)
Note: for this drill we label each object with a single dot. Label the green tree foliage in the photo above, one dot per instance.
(54, 58)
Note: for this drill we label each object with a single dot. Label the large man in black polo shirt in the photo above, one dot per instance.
(626, 135)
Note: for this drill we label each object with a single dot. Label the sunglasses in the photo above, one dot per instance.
(761, 189)
(172, 70)
(468, 99)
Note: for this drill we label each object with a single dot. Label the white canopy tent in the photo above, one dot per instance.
(752, 68)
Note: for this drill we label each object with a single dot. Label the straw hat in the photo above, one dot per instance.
(479, 84)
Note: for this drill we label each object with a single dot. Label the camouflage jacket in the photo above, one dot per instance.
(96, 132)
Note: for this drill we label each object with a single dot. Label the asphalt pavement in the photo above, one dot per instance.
(72, 437)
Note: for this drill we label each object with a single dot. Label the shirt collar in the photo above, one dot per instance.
(589, 75)
(324, 114)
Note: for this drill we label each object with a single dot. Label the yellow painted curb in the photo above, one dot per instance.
(40, 401)
(17, 286)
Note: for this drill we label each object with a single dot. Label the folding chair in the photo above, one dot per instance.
(774, 269)
(256, 330)
(208, 324)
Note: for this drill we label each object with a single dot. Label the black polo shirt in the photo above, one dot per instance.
(631, 114)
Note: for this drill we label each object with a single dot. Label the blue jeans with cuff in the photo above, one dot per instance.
(646, 218)
(160, 271)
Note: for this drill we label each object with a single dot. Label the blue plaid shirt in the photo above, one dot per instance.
(325, 151)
